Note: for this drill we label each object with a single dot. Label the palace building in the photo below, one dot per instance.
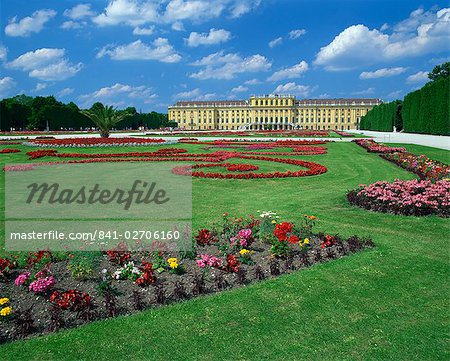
(271, 112)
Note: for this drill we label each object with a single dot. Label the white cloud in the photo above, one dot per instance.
(115, 94)
(241, 7)
(419, 77)
(394, 95)
(178, 26)
(40, 86)
(352, 46)
(194, 94)
(292, 72)
(384, 27)
(6, 84)
(252, 82)
(367, 91)
(220, 66)
(160, 50)
(3, 53)
(294, 89)
(76, 14)
(217, 58)
(140, 12)
(143, 31)
(64, 92)
(128, 12)
(215, 36)
(30, 24)
(193, 10)
(46, 64)
(382, 73)
(79, 11)
(239, 89)
(275, 42)
(295, 34)
(422, 33)
(69, 24)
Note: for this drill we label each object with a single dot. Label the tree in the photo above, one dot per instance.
(440, 72)
(104, 117)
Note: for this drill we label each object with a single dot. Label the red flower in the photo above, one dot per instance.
(119, 255)
(232, 264)
(293, 239)
(73, 300)
(204, 237)
(148, 277)
(9, 150)
(282, 229)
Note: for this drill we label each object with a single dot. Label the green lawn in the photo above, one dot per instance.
(389, 303)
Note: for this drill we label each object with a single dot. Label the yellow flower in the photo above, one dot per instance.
(306, 241)
(6, 311)
(244, 251)
(4, 301)
(274, 221)
(173, 263)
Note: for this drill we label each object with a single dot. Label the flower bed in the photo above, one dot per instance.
(9, 150)
(421, 165)
(86, 287)
(374, 147)
(251, 133)
(343, 134)
(313, 169)
(181, 155)
(95, 142)
(410, 198)
(246, 142)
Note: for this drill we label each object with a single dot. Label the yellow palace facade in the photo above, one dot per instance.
(272, 111)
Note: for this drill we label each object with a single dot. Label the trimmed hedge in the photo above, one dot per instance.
(427, 110)
(382, 117)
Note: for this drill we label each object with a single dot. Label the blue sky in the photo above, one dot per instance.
(148, 54)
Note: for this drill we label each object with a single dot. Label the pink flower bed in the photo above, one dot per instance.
(411, 198)
(374, 147)
(421, 165)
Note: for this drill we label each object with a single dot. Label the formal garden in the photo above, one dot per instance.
(343, 241)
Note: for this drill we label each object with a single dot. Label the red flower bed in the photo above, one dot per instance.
(72, 300)
(313, 169)
(164, 152)
(90, 142)
(177, 154)
(421, 165)
(9, 150)
(35, 154)
(241, 167)
(278, 143)
(410, 198)
(374, 147)
(343, 134)
(5, 266)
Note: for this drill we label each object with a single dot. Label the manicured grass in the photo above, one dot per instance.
(390, 303)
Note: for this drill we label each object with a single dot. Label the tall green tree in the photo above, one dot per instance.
(104, 117)
(440, 72)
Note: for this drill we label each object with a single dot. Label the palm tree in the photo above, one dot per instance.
(104, 117)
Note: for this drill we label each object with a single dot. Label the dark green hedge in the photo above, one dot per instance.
(427, 110)
(382, 117)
